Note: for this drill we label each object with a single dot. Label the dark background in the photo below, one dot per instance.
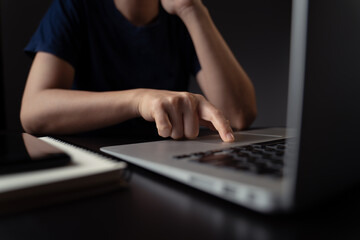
(2, 108)
(257, 31)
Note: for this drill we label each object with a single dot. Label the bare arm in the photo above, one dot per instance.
(222, 79)
(49, 106)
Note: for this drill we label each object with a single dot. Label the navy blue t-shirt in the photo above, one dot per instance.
(110, 53)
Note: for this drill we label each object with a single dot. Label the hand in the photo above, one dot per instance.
(179, 114)
(178, 6)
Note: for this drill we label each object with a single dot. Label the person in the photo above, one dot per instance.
(100, 63)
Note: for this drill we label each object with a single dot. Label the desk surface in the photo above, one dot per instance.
(154, 207)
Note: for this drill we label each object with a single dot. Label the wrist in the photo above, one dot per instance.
(137, 100)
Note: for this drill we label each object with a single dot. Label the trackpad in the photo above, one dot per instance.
(240, 138)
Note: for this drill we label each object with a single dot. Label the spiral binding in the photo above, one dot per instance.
(125, 174)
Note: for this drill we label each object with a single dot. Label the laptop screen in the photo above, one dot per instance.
(323, 95)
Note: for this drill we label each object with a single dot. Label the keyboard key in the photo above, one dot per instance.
(261, 158)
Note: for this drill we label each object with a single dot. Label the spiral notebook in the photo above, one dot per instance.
(89, 173)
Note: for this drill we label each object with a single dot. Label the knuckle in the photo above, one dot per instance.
(199, 96)
(185, 95)
(173, 100)
(189, 101)
(158, 104)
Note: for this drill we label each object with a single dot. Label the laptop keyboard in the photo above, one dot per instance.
(265, 158)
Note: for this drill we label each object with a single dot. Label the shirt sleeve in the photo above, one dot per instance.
(59, 32)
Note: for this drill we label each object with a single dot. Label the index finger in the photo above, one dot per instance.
(209, 113)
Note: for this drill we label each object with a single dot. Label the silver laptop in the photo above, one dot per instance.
(283, 169)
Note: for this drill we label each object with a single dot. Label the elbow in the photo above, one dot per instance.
(32, 123)
(27, 123)
(246, 112)
(244, 118)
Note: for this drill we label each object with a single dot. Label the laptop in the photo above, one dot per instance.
(283, 169)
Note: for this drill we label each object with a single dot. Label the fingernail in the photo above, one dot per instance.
(230, 137)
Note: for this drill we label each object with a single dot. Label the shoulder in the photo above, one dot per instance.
(70, 8)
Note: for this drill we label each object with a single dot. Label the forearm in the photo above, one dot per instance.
(58, 111)
(224, 81)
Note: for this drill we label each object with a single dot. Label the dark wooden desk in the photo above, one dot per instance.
(154, 207)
